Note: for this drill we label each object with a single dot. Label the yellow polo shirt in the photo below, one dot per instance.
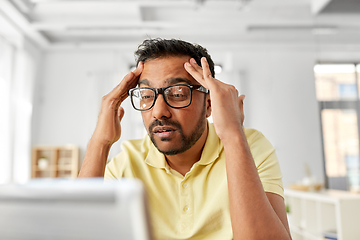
(194, 206)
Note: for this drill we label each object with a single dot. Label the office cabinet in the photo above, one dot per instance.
(55, 161)
(331, 213)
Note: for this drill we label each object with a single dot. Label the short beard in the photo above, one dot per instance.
(186, 141)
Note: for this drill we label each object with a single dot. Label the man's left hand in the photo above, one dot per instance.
(226, 104)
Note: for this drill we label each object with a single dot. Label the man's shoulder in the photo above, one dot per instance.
(252, 134)
(133, 152)
(141, 145)
(257, 140)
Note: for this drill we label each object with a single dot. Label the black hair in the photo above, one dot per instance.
(158, 48)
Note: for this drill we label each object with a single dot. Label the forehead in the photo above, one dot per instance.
(165, 71)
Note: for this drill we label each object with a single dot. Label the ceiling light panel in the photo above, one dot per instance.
(88, 10)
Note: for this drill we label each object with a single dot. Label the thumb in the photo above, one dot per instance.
(241, 99)
(241, 105)
(121, 113)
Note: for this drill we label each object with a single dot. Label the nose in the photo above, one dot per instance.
(160, 110)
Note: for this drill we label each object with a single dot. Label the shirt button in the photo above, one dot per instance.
(185, 185)
(186, 208)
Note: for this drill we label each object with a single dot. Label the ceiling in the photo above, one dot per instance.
(68, 23)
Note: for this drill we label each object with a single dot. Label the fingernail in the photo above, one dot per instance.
(205, 59)
(192, 60)
(188, 64)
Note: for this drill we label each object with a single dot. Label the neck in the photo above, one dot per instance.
(183, 162)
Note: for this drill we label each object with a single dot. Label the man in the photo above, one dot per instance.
(203, 181)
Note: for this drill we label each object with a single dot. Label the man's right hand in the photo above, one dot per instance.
(108, 129)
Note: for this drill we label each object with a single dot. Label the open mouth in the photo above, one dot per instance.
(163, 131)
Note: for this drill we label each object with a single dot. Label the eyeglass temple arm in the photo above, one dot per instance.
(202, 89)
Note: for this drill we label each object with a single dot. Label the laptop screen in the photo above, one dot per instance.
(74, 209)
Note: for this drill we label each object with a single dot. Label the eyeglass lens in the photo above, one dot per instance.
(175, 96)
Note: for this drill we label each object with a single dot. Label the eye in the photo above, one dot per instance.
(145, 93)
(146, 97)
(177, 95)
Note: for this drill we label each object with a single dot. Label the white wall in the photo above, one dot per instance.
(278, 82)
(281, 102)
(19, 71)
(69, 96)
(26, 73)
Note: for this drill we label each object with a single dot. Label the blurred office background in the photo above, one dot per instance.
(296, 62)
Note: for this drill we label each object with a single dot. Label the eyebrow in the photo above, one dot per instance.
(144, 82)
(169, 81)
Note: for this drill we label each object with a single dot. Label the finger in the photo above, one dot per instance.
(209, 80)
(241, 104)
(121, 113)
(120, 92)
(195, 65)
(198, 76)
(133, 77)
(205, 68)
(139, 68)
(129, 81)
(208, 77)
(241, 98)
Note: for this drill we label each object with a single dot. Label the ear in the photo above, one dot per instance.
(208, 105)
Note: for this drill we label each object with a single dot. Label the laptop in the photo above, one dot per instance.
(81, 209)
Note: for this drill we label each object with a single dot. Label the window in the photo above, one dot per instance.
(6, 62)
(337, 91)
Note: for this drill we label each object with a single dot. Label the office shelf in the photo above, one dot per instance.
(55, 161)
(314, 214)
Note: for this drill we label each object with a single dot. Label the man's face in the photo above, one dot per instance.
(173, 131)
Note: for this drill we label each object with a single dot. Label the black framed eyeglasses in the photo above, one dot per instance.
(175, 96)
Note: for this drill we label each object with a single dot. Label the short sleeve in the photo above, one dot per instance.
(117, 166)
(126, 162)
(266, 162)
(111, 172)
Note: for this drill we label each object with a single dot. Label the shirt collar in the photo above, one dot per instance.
(211, 151)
